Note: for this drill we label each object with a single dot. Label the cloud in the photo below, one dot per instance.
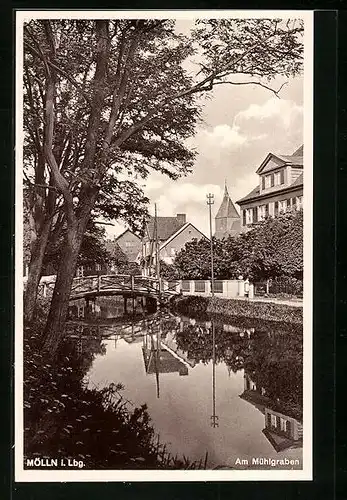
(284, 112)
(225, 136)
(181, 194)
(242, 128)
(188, 198)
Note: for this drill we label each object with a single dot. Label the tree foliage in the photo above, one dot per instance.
(93, 250)
(272, 248)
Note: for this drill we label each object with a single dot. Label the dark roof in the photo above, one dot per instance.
(299, 181)
(279, 442)
(166, 363)
(299, 151)
(167, 226)
(253, 194)
(227, 208)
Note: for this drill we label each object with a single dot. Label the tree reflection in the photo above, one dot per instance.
(63, 418)
(273, 358)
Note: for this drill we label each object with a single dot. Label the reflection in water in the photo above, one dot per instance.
(168, 362)
(214, 417)
(282, 429)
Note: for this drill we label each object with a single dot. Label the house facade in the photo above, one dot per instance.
(280, 188)
(227, 220)
(130, 244)
(172, 235)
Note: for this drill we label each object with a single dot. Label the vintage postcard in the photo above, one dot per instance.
(164, 171)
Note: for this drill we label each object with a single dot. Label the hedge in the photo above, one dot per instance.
(268, 311)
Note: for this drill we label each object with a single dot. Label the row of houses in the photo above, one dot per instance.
(279, 189)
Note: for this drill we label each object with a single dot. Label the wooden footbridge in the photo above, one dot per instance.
(90, 287)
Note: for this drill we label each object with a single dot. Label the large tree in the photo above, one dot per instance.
(120, 87)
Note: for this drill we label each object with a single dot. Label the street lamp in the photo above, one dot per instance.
(214, 417)
(210, 202)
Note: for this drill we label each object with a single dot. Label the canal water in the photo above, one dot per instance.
(229, 392)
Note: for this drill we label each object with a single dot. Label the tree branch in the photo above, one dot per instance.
(276, 92)
(60, 71)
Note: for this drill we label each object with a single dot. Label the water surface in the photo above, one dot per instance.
(230, 391)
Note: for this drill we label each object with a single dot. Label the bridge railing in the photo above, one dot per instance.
(84, 284)
(112, 281)
(147, 283)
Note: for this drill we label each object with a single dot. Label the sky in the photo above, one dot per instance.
(241, 125)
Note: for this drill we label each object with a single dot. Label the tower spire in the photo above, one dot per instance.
(225, 187)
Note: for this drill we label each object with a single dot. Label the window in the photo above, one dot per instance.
(249, 216)
(277, 178)
(267, 181)
(282, 177)
(283, 424)
(282, 206)
(98, 267)
(255, 214)
(298, 202)
(244, 217)
(273, 420)
(272, 209)
(261, 212)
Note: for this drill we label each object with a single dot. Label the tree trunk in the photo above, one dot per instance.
(62, 290)
(35, 269)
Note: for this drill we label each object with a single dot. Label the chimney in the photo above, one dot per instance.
(181, 219)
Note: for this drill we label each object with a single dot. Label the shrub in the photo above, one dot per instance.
(240, 308)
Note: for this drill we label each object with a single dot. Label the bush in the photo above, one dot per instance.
(240, 308)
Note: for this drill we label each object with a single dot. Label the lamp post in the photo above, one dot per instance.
(210, 202)
(214, 417)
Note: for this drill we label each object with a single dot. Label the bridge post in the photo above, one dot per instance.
(132, 278)
(99, 283)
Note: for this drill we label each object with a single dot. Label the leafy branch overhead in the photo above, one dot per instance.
(148, 104)
(106, 102)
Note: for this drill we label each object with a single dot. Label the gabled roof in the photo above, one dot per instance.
(227, 208)
(273, 160)
(124, 232)
(296, 159)
(255, 193)
(187, 224)
(166, 226)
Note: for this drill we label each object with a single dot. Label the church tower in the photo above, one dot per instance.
(227, 219)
